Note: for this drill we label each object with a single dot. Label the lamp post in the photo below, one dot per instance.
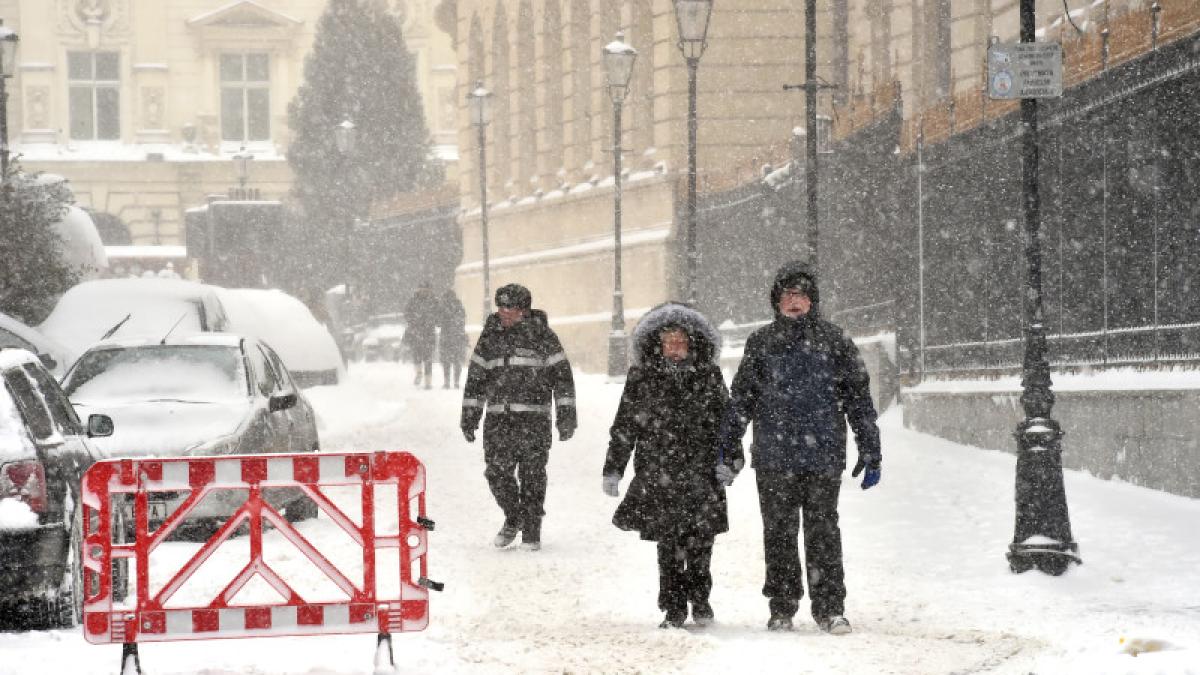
(345, 135)
(691, 17)
(618, 62)
(1042, 536)
(480, 105)
(8, 62)
(241, 163)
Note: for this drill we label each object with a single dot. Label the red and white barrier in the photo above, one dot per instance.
(154, 613)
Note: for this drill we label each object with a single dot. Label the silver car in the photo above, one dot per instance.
(202, 394)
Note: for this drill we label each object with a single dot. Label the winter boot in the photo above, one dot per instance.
(531, 537)
(702, 613)
(834, 625)
(507, 534)
(779, 622)
(674, 618)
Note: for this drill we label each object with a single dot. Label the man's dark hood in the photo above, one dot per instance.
(703, 340)
(796, 273)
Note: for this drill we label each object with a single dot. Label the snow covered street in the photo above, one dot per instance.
(929, 586)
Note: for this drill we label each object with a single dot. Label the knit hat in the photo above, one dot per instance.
(514, 296)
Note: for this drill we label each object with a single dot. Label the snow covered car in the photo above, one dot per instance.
(44, 451)
(201, 394)
(17, 335)
(381, 339)
(95, 310)
(284, 322)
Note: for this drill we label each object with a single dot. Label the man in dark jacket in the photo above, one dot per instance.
(800, 379)
(452, 337)
(420, 317)
(668, 421)
(517, 368)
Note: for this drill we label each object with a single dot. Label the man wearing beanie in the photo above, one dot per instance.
(517, 370)
(799, 381)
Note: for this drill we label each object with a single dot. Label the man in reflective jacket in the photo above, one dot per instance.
(799, 381)
(517, 368)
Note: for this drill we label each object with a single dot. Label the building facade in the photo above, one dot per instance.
(548, 145)
(142, 104)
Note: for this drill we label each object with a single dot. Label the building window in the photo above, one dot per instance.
(245, 97)
(94, 85)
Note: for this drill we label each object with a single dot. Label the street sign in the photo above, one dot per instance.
(1025, 70)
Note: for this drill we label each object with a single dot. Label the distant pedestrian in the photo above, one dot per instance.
(452, 337)
(800, 379)
(668, 420)
(420, 317)
(517, 370)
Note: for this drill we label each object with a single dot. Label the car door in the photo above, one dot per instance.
(269, 430)
(302, 435)
(76, 453)
(58, 460)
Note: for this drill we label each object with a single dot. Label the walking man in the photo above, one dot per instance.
(420, 315)
(517, 368)
(799, 381)
(452, 338)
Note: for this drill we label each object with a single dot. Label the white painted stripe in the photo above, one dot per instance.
(229, 472)
(337, 615)
(283, 616)
(175, 472)
(232, 619)
(179, 621)
(333, 468)
(280, 469)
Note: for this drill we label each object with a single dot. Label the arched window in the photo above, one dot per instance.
(581, 85)
(501, 135)
(552, 147)
(527, 145)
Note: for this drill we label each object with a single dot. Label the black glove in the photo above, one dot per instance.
(469, 434)
(873, 474)
(566, 434)
(612, 483)
(725, 474)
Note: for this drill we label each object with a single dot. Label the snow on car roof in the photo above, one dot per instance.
(284, 323)
(87, 310)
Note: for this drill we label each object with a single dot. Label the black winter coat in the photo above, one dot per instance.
(668, 421)
(515, 374)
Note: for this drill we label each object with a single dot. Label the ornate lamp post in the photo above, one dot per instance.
(345, 135)
(479, 102)
(1042, 536)
(618, 62)
(691, 17)
(8, 62)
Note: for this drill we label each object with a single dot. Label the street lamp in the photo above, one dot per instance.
(479, 104)
(345, 136)
(618, 61)
(8, 63)
(691, 17)
(241, 163)
(1042, 536)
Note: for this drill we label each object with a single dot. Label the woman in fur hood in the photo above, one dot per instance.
(668, 421)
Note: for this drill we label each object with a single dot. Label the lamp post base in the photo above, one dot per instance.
(1042, 538)
(618, 354)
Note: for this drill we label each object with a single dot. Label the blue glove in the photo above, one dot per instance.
(612, 483)
(871, 477)
(725, 474)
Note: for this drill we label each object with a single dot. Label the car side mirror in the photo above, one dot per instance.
(282, 402)
(48, 361)
(99, 426)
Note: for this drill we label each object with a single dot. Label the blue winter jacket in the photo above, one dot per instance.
(798, 380)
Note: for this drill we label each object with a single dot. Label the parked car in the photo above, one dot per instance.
(44, 452)
(200, 394)
(95, 310)
(16, 335)
(381, 338)
(284, 322)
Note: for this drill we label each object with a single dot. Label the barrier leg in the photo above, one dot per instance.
(384, 659)
(130, 663)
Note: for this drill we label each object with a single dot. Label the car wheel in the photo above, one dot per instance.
(63, 607)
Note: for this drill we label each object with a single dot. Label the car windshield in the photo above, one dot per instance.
(158, 372)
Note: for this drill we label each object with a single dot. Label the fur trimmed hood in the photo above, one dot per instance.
(705, 341)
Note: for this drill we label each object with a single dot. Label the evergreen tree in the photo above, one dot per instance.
(33, 271)
(360, 70)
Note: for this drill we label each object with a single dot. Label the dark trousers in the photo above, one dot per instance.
(785, 499)
(516, 474)
(683, 572)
